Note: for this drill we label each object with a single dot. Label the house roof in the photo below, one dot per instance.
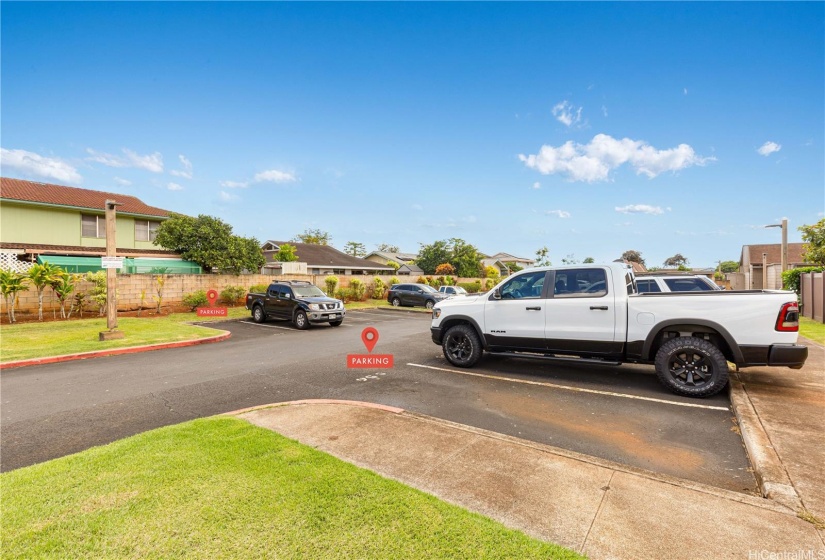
(507, 257)
(411, 268)
(41, 249)
(400, 258)
(58, 195)
(327, 256)
(752, 254)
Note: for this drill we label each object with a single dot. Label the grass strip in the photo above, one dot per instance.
(812, 330)
(223, 488)
(57, 338)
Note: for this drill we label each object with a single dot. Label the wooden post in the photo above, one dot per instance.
(784, 260)
(111, 275)
(764, 271)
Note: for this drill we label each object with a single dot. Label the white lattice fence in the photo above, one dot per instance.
(8, 261)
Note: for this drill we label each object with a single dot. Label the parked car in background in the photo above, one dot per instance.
(414, 295)
(453, 290)
(674, 283)
(300, 302)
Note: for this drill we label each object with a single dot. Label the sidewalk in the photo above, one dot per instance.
(601, 509)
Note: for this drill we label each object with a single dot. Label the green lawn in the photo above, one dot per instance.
(56, 338)
(223, 488)
(812, 330)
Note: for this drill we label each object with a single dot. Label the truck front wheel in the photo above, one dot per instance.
(691, 366)
(461, 346)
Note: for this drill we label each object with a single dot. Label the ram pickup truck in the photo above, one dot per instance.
(595, 313)
(302, 303)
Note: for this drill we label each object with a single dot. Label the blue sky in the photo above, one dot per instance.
(589, 128)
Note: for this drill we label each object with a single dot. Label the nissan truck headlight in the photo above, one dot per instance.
(314, 307)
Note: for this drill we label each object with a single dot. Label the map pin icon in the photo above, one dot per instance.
(212, 296)
(370, 338)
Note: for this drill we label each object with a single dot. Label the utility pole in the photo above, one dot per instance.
(111, 274)
(784, 255)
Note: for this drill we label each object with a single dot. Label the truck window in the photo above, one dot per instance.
(524, 286)
(687, 285)
(645, 286)
(584, 282)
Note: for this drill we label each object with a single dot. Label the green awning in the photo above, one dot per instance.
(130, 266)
(160, 266)
(75, 264)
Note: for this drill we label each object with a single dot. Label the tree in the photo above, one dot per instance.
(387, 248)
(430, 256)
(570, 259)
(588, 260)
(543, 257)
(633, 256)
(42, 275)
(209, 241)
(286, 253)
(11, 283)
(313, 237)
(63, 285)
(729, 266)
(676, 261)
(465, 258)
(814, 238)
(355, 249)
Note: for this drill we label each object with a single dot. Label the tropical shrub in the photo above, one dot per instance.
(331, 282)
(471, 287)
(394, 280)
(11, 284)
(98, 292)
(358, 289)
(790, 278)
(232, 294)
(444, 269)
(258, 288)
(378, 288)
(195, 299)
(42, 275)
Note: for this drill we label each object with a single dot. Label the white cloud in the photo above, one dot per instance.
(594, 161)
(537, 185)
(41, 166)
(559, 213)
(604, 110)
(768, 148)
(227, 197)
(174, 187)
(275, 176)
(152, 162)
(123, 182)
(186, 173)
(234, 184)
(639, 209)
(566, 114)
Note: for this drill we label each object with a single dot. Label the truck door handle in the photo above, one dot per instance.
(533, 308)
(598, 307)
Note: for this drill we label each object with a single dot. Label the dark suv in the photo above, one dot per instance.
(300, 302)
(414, 294)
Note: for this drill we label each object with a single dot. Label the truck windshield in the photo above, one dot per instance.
(308, 291)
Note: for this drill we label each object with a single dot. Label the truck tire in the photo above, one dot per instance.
(258, 314)
(691, 366)
(461, 346)
(301, 321)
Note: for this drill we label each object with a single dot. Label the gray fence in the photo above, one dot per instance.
(812, 290)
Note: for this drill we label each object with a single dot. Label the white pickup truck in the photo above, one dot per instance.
(594, 312)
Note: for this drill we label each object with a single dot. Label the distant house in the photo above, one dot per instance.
(42, 222)
(498, 264)
(321, 259)
(385, 258)
(751, 259)
(410, 270)
(507, 259)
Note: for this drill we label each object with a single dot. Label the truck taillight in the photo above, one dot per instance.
(788, 319)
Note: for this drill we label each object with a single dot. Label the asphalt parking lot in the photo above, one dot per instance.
(619, 413)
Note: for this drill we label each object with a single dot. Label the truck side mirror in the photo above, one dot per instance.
(497, 294)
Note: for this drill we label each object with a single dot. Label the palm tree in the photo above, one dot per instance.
(41, 275)
(11, 283)
(63, 284)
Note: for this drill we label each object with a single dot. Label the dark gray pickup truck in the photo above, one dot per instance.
(302, 303)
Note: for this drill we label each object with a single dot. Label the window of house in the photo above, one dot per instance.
(146, 230)
(92, 226)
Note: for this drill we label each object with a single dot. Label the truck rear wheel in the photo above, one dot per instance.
(691, 366)
(461, 346)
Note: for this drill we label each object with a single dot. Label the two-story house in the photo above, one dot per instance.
(66, 226)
